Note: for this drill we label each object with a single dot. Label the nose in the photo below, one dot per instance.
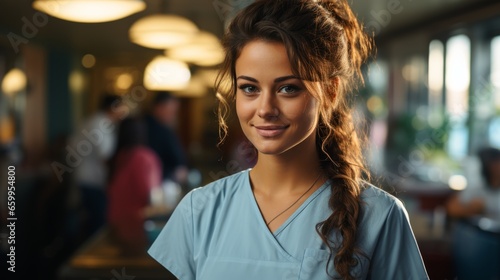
(267, 106)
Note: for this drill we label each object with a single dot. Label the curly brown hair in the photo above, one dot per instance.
(326, 46)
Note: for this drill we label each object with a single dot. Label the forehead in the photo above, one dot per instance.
(260, 57)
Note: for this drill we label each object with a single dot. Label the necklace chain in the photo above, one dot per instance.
(314, 183)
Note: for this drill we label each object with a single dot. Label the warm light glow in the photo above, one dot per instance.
(204, 50)
(209, 76)
(88, 61)
(436, 66)
(195, 88)
(413, 71)
(409, 73)
(162, 31)
(14, 81)
(457, 182)
(163, 73)
(7, 130)
(77, 82)
(375, 104)
(89, 11)
(124, 81)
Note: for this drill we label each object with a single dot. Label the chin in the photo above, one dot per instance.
(269, 149)
(273, 149)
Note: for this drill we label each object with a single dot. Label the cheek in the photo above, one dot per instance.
(310, 111)
(305, 117)
(242, 109)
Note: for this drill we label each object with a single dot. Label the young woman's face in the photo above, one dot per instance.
(275, 110)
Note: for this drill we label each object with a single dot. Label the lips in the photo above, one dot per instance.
(270, 130)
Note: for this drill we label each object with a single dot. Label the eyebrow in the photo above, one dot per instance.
(277, 80)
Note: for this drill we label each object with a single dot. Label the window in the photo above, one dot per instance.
(457, 77)
(457, 82)
(494, 126)
(435, 74)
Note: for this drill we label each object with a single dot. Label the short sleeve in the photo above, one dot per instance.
(173, 248)
(396, 254)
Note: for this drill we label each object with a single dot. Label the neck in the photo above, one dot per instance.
(286, 173)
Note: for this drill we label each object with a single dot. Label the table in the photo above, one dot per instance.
(100, 258)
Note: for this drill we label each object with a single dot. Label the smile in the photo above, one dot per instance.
(271, 130)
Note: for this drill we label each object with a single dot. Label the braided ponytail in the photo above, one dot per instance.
(341, 146)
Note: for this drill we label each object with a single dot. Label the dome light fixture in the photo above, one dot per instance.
(203, 50)
(163, 73)
(14, 81)
(162, 31)
(89, 11)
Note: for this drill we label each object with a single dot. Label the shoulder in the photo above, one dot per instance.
(386, 237)
(222, 188)
(380, 203)
(382, 215)
(209, 198)
(371, 193)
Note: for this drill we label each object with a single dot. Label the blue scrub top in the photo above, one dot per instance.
(217, 232)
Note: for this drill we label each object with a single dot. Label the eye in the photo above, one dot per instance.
(289, 89)
(248, 89)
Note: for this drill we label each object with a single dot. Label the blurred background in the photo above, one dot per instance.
(431, 101)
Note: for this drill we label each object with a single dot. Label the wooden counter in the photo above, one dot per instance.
(100, 258)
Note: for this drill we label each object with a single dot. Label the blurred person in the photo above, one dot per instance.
(135, 171)
(475, 230)
(483, 200)
(305, 210)
(162, 137)
(92, 145)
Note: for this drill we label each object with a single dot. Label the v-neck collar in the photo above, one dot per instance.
(262, 222)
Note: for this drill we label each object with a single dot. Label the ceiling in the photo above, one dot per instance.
(111, 38)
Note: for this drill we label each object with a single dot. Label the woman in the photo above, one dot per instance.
(303, 211)
(135, 172)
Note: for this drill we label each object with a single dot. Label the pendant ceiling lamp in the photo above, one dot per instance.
(203, 50)
(14, 81)
(89, 11)
(162, 31)
(195, 88)
(163, 73)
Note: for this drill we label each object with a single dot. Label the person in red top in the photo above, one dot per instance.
(135, 171)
